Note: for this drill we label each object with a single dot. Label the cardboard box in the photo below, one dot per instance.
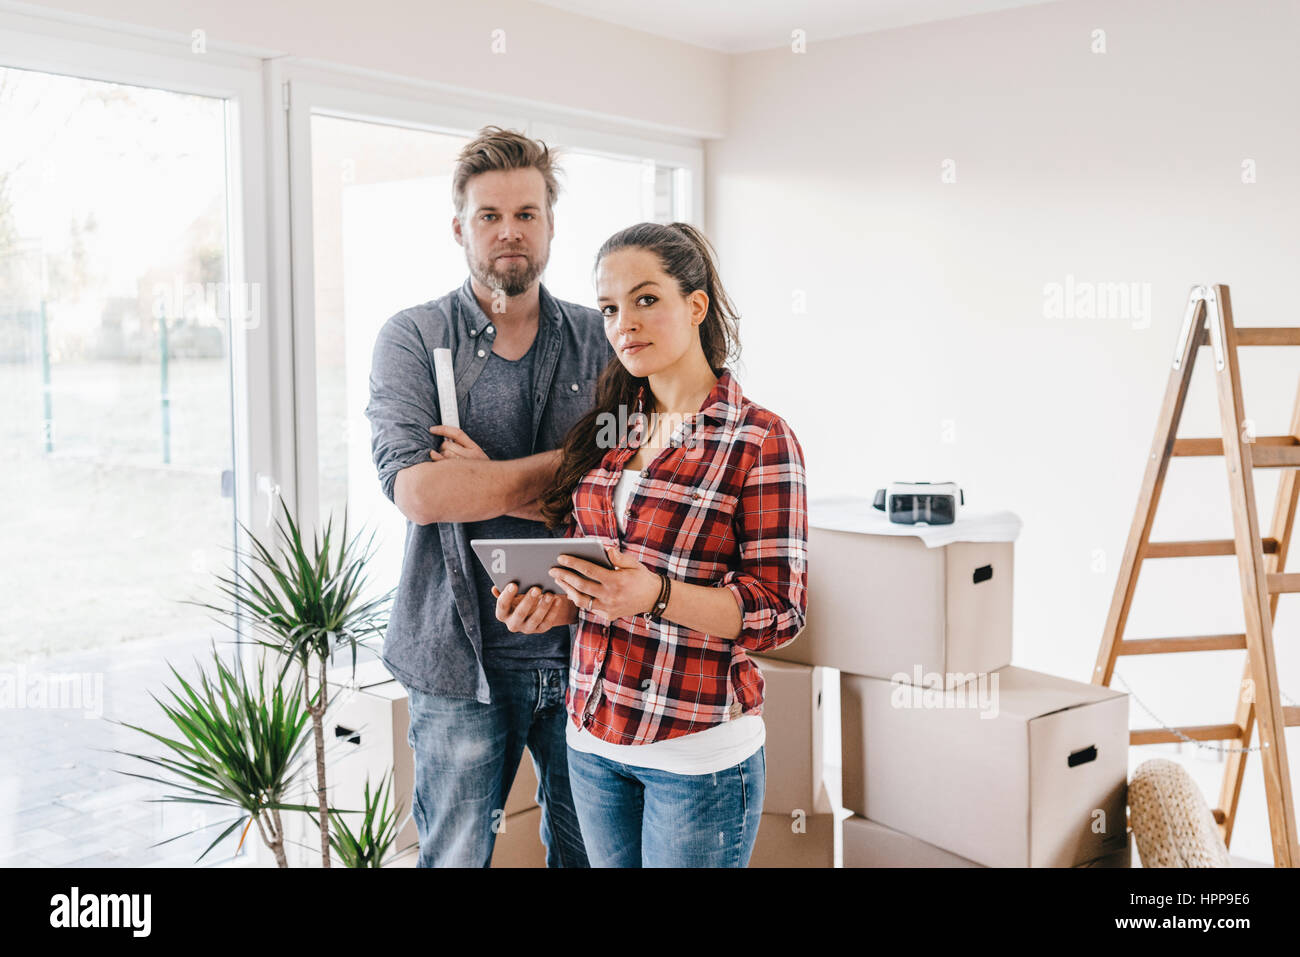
(366, 734)
(795, 840)
(869, 844)
(523, 793)
(1119, 858)
(881, 605)
(408, 858)
(1016, 769)
(519, 842)
(365, 737)
(793, 719)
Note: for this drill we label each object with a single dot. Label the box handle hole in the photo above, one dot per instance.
(983, 573)
(1083, 756)
(353, 737)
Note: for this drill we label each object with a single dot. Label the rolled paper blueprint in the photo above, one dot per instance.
(445, 376)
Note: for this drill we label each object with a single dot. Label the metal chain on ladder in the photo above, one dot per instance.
(1192, 741)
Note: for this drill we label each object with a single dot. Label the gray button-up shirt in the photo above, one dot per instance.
(433, 642)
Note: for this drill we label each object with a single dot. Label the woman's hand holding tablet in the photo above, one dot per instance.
(626, 589)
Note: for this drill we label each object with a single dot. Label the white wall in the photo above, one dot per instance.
(550, 55)
(925, 300)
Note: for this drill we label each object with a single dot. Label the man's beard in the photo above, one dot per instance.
(512, 278)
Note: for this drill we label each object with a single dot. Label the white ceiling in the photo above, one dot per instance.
(739, 26)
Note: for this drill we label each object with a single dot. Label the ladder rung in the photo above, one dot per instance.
(1290, 716)
(1199, 549)
(1200, 732)
(1276, 457)
(1162, 646)
(1219, 816)
(1270, 451)
(1284, 582)
(1268, 336)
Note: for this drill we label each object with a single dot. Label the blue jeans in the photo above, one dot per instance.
(641, 817)
(466, 757)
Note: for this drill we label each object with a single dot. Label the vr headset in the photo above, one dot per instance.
(910, 503)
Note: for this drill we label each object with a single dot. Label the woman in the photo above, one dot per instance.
(702, 507)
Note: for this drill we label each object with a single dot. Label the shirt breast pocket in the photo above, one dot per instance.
(704, 523)
(570, 400)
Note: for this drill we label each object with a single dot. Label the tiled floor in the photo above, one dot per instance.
(63, 798)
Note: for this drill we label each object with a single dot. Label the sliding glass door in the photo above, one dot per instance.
(127, 309)
(115, 379)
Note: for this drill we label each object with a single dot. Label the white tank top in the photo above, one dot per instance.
(703, 752)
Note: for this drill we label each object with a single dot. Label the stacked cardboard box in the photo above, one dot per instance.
(1013, 768)
(797, 828)
(951, 756)
(519, 839)
(882, 605)
(365, 733)
(367, 726)
(523, 792)
(869, 844)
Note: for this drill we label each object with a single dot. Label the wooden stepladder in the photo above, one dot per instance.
(1260, 561)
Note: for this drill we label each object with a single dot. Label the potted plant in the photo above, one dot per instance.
(305, 602)
(240, 746)
(370, 844)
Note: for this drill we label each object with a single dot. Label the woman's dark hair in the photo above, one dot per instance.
(686, 256)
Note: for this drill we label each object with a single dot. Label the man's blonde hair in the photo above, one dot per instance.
(495, 148)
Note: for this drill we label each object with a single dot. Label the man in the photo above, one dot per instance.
(525, 370)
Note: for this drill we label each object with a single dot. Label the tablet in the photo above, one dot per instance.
(528, 560)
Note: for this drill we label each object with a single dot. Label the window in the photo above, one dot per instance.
(599, 196)
(125, 313)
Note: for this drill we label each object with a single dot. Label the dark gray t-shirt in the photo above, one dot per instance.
(497, 414)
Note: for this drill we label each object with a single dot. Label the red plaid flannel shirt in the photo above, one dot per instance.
(724, 504)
